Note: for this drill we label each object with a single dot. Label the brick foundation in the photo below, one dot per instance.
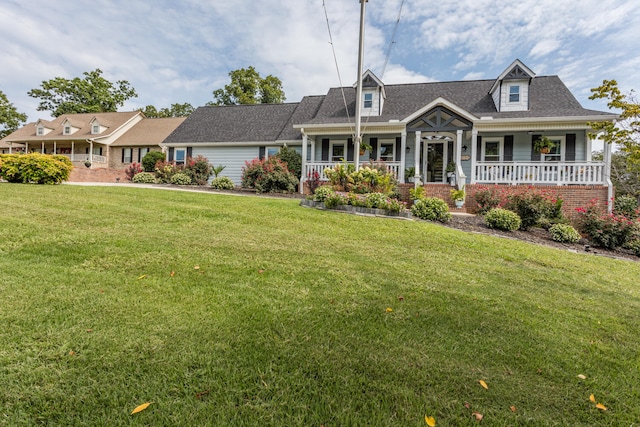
(83, 174)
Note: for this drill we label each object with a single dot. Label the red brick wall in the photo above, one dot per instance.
(84, 174)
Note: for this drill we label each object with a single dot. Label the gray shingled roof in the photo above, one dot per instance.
(548, 97)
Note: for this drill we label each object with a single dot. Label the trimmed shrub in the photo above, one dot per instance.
(292, 158)
(132, 170)
(627, 206)
(144, 178)
(35, 168)
(532, 206)
(222, 183)
(322, 193)
(502, 219)
(181, 178)
(150, 160)
(268, 176)
(564, 233)
(165, 170)
(488, 198)
(431, 209)
(374, 178)
(335, 199)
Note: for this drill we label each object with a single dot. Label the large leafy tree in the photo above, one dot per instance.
(247, 87)
(10, 118)
(176, 110)
(625, 131)
(625, 174)
(91, 94)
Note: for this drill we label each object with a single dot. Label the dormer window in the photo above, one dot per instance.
(40, 131)
(368, 100)
(67, 130)
(514, 93)
(95, 128)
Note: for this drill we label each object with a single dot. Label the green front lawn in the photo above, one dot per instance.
(226, 310)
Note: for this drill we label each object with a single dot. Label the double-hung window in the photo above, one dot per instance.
(368, 100)
(387, 152)
(180, 156)
(338, 153)
(126, 155)
(514, 93)
(492, 149)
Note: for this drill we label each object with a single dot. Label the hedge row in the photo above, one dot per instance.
(35, 168)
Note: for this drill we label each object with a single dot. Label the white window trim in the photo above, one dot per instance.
(93, 128)
(509, 101)
(500, 140)
(40, 131)
(393, 150)
(364, 100)
(270, 147)
(124, 157)
(67, 130)
(175, 156)
(336, 143)
(550, 157)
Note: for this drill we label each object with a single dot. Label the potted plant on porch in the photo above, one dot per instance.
(451, 169)
(543, 145)
(458, 197)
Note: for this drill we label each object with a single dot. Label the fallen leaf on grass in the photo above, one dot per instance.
(478, 416)
(202, 394)
(389, 310)
(196, 267)
(173, 273)
(467, 405)
(513, 408)
(483, 384)
(142, 277)
(592, 398)
(431, 422)
(89, 330)
(260, 271)
(400, 298)
(601, 406)
(582, 377)
(140, 408)
(71, 353)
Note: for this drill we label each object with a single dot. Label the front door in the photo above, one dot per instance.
(435, 162)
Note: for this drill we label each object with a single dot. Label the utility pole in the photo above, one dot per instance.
(358, 135)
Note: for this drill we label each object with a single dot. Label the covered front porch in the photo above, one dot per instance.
(79, 152)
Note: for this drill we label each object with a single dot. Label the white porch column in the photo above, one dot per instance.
(91, 152)
(26, 148)
(403, 154)
(589, 146)
(474, 148)
(54, 147)
(313, 150)
(42, 149)
(459, 172)
(417, 160)
(73, 146)
(10, 148)
(303, 176)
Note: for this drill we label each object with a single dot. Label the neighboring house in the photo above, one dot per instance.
(100, 145)
(483, 129)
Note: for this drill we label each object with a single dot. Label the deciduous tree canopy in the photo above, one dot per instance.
(247, 87)
(176, 110)
(91, 94)
(10, 118)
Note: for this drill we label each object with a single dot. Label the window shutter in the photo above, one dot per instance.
(139, 155)
(373, 155)
(350, 149)
(570, 145)
(189, 152)
(325, 150)
(261, 152)
(100, 151)
(508, 148)
(535, 156)
(123, 154)
(398, 149)
(479, 149)
(171, 150)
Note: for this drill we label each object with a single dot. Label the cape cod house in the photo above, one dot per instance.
(100, 145)
(461, 133)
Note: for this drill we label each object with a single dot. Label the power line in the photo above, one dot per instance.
(393, 40)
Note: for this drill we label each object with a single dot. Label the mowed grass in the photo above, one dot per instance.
(226, 310)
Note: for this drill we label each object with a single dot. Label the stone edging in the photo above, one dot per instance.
(357, 210)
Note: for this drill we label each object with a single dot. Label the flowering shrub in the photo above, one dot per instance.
(165, 170)
(268, 176)
(564, 233)
(132, 170)
(431, 209)
(181, 178)
(606, 230)
(374, 178)
(313, 181)
(322, 193)
(502, 219)
(292, 159)
(222, 183)
(530, 203)
(144, 178)
(199, 170)
(334, 199)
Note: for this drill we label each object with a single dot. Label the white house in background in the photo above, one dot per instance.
(484, 129)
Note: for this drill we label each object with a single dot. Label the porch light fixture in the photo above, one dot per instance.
(464, 148)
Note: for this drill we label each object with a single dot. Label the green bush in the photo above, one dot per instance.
(198, 169)
(322, 193)
(144, 178)
(606, 230)
(35, 168)
(222, 183)
(181, 178)
(634, 246)
(564, 233)
(292, 158)
(335, 199)
(431, 209)
(165, 170)
(268, 176)
(150, 160)
(531, 206)
(502, 219)
(374, 178)
(627, 206)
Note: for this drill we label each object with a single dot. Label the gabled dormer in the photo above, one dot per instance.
(69, 127)
(43, 127)
(510, 92)
(373, 94)
(97, 127)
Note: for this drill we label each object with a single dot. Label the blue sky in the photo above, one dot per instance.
(175, 51)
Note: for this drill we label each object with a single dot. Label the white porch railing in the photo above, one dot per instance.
(554, 173)
(85, 157)
(311, 168)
